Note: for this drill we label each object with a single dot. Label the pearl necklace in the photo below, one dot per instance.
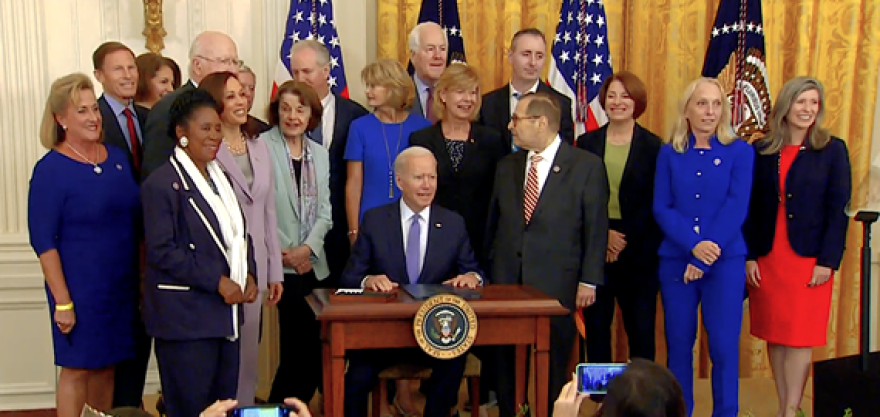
(97, 169)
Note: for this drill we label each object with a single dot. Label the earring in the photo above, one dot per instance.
(184, 142)
(63, 127)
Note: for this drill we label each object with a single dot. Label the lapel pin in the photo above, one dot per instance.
(119, 167)
(438, 225)
(175, 186)
(556, 169)
(717, 161)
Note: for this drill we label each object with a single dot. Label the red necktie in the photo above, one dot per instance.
(531, 192)
(429, 106)
(133, 139)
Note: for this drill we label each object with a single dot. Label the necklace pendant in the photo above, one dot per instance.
(98, 170)
(390, 187)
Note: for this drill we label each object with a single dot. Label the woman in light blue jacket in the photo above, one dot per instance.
(301, 169)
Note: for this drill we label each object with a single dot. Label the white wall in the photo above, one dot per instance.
(41, 40)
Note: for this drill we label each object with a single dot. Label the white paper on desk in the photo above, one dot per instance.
(349, 291)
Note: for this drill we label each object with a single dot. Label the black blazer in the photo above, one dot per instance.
(564, 243)
(468, 190)
(379, 248)
(184, 264)
(817, 190)
(158, 143)
(636, 193)
(113, 132)
(256, 125)
(495, 113)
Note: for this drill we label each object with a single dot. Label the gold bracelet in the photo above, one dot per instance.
(64, 307)
(352, 232)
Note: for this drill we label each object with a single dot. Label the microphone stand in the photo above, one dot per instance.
(867, 218)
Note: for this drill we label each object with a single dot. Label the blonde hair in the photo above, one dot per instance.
(390, 74)
(63, 93)
(779, 134)
(681, 130)
(456, 77)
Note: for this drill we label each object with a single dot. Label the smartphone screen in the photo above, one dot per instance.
(261, 411)
(594, 378)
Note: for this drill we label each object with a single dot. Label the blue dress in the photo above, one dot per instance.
(377, 149)
(91, 220)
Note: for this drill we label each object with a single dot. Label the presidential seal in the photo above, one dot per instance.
(445, 326)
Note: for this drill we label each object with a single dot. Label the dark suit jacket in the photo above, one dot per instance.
(636, 194)
(113, 134)
(336, 243)
(256, 126)
(158, 144)
(564, 243)
(495, 113)
(184, 264)
(468, 190)
(817, 189)
(379, 248)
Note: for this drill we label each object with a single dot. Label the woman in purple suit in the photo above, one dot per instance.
(246, 160)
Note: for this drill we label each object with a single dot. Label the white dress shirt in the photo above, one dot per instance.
(549, 156)
(406, 215)
(515, 95)
(328, 118)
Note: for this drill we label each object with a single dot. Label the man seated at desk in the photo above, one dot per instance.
(391, 250)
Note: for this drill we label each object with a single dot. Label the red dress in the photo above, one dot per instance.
(783, 310)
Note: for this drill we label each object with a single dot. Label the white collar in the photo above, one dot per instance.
(533, 89)
(406, 213)
(549, 153)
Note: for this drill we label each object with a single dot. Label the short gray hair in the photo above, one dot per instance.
(403, 158)
(321, 53)
(415, 37)
(244, 68)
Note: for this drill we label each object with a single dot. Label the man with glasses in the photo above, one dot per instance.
(248, 81)
(210, 52)
(428, 49)
(527, 55)
(548, 228)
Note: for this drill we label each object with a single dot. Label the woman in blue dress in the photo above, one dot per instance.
(701, 198)
(83, 211)
(375, 140)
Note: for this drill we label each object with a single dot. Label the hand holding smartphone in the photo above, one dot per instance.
(594, 378)
(276, 410)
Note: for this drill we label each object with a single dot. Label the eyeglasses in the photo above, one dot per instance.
(224, 61)
(516, 119)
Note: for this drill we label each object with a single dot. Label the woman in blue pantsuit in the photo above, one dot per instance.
(701, 198)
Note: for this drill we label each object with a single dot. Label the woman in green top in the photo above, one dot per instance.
(630, 155)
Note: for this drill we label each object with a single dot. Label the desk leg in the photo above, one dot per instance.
(328, 377)
(335, 361)
(542, 367)
(521, 375)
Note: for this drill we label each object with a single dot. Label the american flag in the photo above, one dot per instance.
(581, 60)
(312, 19)
(736, 57)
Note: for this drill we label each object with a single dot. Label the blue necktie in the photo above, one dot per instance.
(413, 250)
(317, 135)
(513, 147)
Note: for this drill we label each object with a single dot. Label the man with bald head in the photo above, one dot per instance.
(210, 52)
(429, 50)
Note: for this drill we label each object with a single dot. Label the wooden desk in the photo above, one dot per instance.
(507, 315)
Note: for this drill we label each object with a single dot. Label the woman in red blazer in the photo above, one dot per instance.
(795, 234)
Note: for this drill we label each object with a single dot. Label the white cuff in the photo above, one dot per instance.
(587, 285)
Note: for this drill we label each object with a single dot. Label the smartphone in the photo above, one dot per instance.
(261, 411)
(594, 378)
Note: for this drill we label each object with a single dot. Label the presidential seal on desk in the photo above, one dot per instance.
(445, 326)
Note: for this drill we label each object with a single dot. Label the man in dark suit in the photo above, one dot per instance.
(435, 249)
(310, 63)
(123, 124)
(548, 228)
(526, 56)
(123, 121)
(210, 52)
(248, 81)
(428, 52)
